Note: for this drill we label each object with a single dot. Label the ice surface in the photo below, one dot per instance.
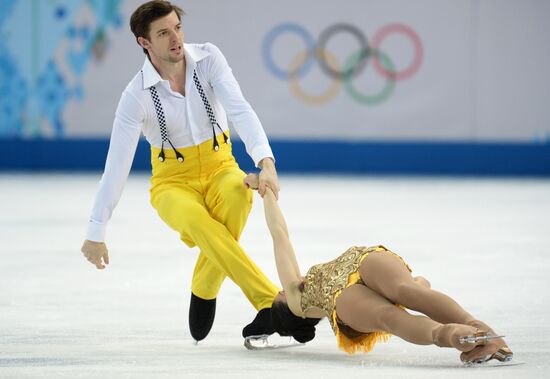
(486, 242)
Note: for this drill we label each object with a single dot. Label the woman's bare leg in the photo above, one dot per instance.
(416, 295)
(385, 274)
(366, 311)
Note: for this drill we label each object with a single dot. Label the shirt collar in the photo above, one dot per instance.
(193, 54)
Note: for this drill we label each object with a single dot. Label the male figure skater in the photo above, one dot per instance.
(180, 100)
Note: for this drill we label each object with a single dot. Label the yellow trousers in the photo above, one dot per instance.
(204, 200)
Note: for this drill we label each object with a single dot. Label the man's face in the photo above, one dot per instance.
(165, 41)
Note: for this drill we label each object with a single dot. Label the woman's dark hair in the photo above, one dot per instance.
(288, 324)
(149, 12)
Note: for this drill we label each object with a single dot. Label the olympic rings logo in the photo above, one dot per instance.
(353, 65)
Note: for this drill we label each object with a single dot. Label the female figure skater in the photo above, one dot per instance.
(364, 293)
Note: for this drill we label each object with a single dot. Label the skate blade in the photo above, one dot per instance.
(476, 339)
(262, 342)
(493, 363)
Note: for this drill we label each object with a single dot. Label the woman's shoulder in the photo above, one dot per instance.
(294, 297)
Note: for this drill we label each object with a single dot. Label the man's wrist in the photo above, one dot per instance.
(266, 162)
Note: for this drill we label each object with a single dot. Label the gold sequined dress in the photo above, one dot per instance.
(324, 282)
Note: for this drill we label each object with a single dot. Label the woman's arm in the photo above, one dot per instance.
(285, 259)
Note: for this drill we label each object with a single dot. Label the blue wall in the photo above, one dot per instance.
(502, 159)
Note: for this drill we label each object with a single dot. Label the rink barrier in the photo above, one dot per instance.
(409, 158)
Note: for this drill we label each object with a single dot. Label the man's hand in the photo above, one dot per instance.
(268, 177)
(251, 181)
(96, 253)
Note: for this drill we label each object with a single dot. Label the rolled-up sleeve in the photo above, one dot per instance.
(124, 139)
(239, 111)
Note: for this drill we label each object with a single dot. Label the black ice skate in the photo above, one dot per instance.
(258, 335)
(270, 342)
(261, 324)
(201, 317)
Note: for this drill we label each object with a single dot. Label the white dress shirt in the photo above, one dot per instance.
(187, 122)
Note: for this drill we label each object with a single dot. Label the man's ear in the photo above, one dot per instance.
(143, 42)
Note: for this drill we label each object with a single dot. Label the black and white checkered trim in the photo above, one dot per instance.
(162, 125)
(209, 111)
(160, 113)
(162, 119)
(211, 115)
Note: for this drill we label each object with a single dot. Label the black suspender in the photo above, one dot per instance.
(211, 115)
(162, 124)
(162, 119)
